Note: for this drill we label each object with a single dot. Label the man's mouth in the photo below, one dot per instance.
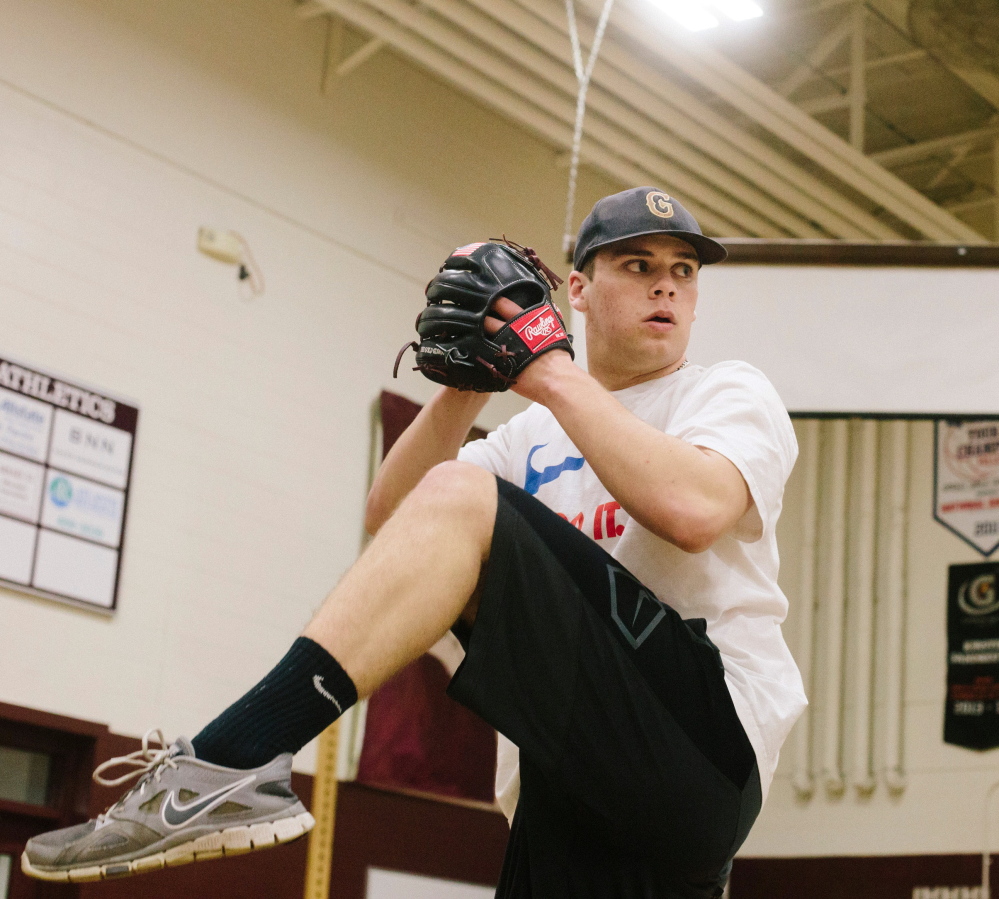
(661, 318)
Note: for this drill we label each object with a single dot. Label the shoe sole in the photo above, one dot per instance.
(231, 841)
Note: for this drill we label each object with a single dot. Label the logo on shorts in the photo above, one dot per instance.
(534, 479)
(659, 204)
(634, 609)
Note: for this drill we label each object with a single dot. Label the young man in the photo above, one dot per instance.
(608, 560)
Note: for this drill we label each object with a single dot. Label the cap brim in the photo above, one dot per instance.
(708, 251)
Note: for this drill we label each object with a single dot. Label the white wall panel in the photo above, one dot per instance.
(857, 339)
(123, 128)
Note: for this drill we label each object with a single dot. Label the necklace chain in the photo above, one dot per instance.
(683, 364)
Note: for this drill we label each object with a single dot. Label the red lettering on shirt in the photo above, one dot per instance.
(606, 511)
(576, 522)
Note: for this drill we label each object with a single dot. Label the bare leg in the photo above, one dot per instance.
(415, 579)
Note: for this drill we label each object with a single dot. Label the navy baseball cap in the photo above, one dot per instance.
(635, 213)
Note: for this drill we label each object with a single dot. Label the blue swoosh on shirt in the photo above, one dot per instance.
(534, 479)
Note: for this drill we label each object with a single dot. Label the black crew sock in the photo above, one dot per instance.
(302, 696)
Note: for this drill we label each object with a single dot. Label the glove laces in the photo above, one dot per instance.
(532, 257)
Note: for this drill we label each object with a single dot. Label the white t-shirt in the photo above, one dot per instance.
(730, 408)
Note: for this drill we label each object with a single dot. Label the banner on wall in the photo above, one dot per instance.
(971, 716)
(966, 477)
(65, 468)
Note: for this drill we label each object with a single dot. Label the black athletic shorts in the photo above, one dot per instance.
(637, 778)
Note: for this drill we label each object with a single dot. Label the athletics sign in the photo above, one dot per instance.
(966, 473)
(65, 465)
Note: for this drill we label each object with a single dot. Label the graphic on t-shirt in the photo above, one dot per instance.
(534, 479)
(604, 521)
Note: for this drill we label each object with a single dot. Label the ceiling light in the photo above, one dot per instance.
(738, 10)
(697, 15)
(691, 15)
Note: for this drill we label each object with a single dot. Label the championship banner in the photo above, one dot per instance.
(971, 715)
(966, 476)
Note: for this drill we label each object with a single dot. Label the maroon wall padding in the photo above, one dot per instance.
(419, 738)
(397, 414)
(419, 835)
(876, 877)
(416, 737)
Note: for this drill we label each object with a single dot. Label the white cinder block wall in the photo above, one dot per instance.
(123, 128)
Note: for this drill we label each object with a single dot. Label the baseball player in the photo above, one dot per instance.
(607, 559)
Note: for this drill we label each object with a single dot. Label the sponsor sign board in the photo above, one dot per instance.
(65, 469)
(971, 713)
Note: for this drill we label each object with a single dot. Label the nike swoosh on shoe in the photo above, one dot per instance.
(176, 815)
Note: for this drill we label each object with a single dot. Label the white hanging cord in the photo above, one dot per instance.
(583, 80)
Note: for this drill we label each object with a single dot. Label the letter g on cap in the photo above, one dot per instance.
(659, 204)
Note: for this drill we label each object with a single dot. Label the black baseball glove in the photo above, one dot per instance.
(454, 348)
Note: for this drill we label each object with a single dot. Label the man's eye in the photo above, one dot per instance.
(637, 265)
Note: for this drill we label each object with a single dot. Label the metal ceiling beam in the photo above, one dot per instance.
(914, 152)
(858, 75)
(500, 97)
(881, 62)
(818, 55)
(651, 125)
(698, 123)
(563, 108)
(820, 105)
(982, 82)
(803, 11)
(773, 112)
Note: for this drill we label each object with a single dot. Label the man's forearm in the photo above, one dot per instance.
(684, 494)
(435, 436)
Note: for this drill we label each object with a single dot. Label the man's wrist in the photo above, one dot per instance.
(550, 378)
(465, 399)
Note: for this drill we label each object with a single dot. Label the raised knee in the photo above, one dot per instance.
(461, 491)
(460, 482)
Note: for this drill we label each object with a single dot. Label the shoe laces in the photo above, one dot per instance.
(147, 764)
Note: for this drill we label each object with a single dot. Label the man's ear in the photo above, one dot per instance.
(577, 284)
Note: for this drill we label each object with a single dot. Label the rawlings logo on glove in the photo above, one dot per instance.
(454, 348)
(537, 330)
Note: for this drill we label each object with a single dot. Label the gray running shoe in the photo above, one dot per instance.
(180, 810)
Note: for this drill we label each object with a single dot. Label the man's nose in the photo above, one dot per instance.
(664, 286)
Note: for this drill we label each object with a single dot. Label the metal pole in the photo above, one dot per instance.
(858, 78)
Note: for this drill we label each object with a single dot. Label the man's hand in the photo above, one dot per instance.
(532, 381)
(455, 349)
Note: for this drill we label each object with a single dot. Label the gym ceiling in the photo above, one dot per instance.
(823, 119)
